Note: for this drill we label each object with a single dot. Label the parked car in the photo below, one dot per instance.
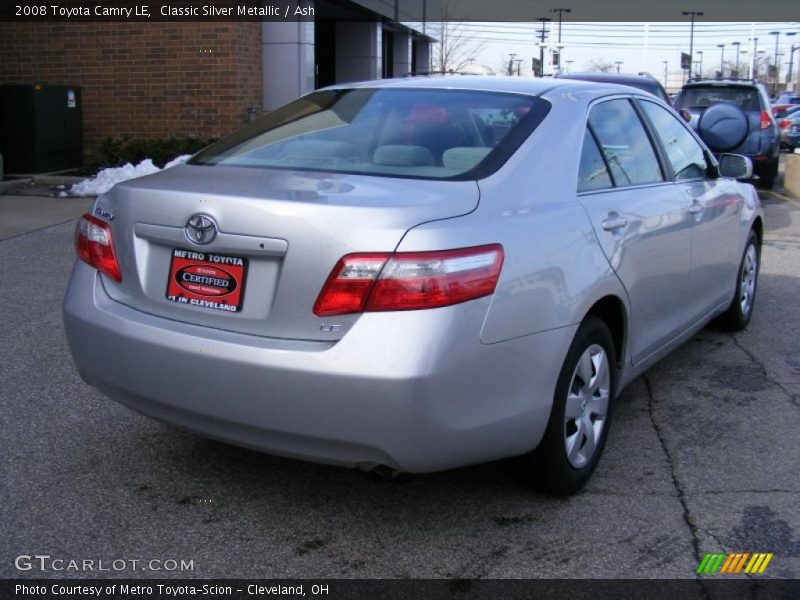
(779, 110)
(786, 121)
(790, 131)
(376, 276)
(761, 141)
(642, 81)
(784, 110)
(787, 98)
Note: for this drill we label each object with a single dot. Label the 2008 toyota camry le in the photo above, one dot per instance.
(417, 274)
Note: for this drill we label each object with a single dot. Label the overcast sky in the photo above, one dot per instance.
(641, 46)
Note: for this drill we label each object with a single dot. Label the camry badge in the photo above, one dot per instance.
(201, 229)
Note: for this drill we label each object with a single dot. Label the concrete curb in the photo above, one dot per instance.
(56, 179)
(11, 185)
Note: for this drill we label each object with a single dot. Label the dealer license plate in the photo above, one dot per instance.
(207, 280)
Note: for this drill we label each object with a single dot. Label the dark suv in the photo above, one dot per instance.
(762, 142)
(642, 81)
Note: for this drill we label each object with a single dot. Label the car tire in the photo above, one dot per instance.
(567, 455)
(739, 312)
(767, 179)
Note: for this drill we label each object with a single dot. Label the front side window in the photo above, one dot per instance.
(624, 142)
(686, 156)
(423, 133)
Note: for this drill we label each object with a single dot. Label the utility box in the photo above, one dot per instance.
(41, 128)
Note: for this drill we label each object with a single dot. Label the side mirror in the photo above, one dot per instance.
(735, 166)
(686, 115)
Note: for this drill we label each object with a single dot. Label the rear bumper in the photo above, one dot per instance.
(791, 139)
(415, 391)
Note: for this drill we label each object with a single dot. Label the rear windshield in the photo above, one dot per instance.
(439, 134)
(703, 97)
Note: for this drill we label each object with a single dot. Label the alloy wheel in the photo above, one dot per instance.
(587, 405)
(747, 288)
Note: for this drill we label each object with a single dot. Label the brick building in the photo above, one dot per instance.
(155, 80)
(202, 79)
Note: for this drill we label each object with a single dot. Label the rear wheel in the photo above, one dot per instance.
(738, 314)
(767, 179)
(578, 426)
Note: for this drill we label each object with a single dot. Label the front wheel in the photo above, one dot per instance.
(739, 312)
(578, 426)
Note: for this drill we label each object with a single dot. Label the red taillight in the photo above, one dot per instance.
(766, 122)
(409, 280)
(349, 284)
(783, 123)
(95, 247)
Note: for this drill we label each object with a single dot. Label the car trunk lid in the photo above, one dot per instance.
(283, 231)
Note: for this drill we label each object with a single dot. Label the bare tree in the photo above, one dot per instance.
(456, 45)
(600, 65)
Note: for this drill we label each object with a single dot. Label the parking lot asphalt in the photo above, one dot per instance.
(24, 213)
(703, 456)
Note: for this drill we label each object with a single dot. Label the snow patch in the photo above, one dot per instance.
(108, 178)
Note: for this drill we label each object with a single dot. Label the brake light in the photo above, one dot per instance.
(783, 123)
(409, 280)
(95, 247)
(765, 120)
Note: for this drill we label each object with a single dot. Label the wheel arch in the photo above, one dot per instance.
(611, 310)
(758, 227)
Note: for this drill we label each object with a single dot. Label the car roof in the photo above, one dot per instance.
(722, 83)
(518, 85)
(623, 78)
(642, 82)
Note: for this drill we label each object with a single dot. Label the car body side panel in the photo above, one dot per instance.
(715, 259)
(550, 276)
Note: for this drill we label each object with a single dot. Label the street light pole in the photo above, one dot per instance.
(542, 33)
(721, 59)
(700, 68)
(692, 14)
(511, 55)
(560, 12)
(790, 72)
(737, 44)
(666, 70)
(777, 35)
(618, 63)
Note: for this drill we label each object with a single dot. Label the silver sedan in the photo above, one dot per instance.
(416, 274)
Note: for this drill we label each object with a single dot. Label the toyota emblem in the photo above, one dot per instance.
(200, 229)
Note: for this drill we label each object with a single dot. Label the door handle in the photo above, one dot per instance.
(696, 208)
(614, 221)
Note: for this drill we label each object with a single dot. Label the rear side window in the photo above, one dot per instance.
(703, 97)
(685, 155)
(592, 173)
(420, 133)
(624, 143)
